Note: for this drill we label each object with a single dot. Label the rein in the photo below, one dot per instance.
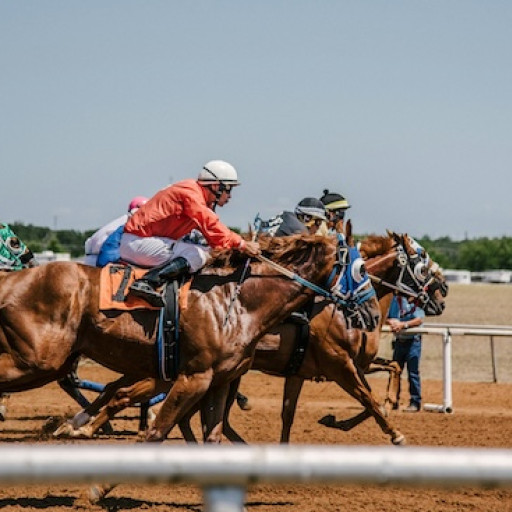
(304, 282)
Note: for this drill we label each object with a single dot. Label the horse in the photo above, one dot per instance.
(50, 315)
(334, 352)
(339, 355)
(354, 294)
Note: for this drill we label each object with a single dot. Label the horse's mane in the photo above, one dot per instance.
(285, 250)
(375, 245)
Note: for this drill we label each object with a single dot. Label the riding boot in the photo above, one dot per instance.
(146, 286)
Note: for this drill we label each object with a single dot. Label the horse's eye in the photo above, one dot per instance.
(358, 270)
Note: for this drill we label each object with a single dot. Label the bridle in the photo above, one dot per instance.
(347, 297)
(415, 277)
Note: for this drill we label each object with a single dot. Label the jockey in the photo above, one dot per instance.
(153, 235)
(95, 242)
(308, 216)
(14, 254)
(336, 206)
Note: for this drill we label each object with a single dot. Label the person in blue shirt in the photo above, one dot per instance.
(404, 314)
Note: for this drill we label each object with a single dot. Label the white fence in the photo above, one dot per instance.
(446, 331)
(224, 472)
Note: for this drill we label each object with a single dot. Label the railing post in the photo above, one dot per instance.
(447, 372)
(447, 405)
(224, 498)
(493, 359)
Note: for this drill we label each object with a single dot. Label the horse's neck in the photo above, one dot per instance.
(384, 305)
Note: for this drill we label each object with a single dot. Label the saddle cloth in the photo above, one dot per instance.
(115, 281)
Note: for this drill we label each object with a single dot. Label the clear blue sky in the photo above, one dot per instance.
(403, 106)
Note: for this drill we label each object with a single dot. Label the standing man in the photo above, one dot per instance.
(402, 315)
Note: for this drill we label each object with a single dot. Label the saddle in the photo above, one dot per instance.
(301, 321)
(115, 281)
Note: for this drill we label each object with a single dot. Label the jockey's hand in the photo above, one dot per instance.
(251, 248)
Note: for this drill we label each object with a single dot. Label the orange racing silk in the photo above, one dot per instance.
(178, 209)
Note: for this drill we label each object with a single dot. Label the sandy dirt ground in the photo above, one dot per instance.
(482, 418)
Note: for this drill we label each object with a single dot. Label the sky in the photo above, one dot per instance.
(402, 106)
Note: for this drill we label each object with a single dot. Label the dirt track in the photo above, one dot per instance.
(482, 418)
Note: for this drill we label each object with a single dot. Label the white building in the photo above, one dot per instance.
(457, 276)
(48, 256)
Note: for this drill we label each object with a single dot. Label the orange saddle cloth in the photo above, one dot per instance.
(115, 282)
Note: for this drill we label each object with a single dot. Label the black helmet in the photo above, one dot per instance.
(333, 201)
(311, 207)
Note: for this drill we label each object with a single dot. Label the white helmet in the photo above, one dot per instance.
(218, 171)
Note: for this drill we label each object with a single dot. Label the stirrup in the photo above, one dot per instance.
(145, 291)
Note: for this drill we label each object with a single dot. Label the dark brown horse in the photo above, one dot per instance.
(50, 315)
(334, 352)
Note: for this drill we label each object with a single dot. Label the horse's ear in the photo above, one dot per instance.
(348, 228)
(251, 232)
(349, 233)
(390, 233)
(396, 237)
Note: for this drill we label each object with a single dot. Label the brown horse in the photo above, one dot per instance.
(334, 352)
(50, 315)
(340, 355)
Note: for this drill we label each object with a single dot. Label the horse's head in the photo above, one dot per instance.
(430, 275)
(353, 285)
(14, 254)
(395, 263)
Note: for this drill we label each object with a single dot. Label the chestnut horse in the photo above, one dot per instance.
(334, 352)
(50, 315)
(342, 355)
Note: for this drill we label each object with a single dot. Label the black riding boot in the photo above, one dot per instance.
(145, 287)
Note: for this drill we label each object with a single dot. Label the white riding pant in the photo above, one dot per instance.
(153, 251)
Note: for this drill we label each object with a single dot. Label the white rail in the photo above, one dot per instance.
(225, 471)
(447, 331)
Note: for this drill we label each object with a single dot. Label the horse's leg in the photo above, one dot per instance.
(186, 391)
(72, 427)
(4, 397)
(124, 397)
(143, 417)
(230, 433)
(393, 388)
(349, 379)
(185, 428)
(213, 412)
(292, 389)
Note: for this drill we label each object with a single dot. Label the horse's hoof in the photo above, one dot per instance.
(107, 429)
(95, 494)
(3, 412)
(65, 430)
(81, 433)
(399, 440)
(329, 420)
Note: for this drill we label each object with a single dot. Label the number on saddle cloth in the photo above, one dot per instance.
(12, 249)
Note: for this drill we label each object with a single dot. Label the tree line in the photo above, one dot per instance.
(475, 255)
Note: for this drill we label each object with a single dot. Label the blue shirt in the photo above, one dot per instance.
(405, 311)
